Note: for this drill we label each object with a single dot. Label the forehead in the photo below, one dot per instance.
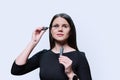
(60, 20)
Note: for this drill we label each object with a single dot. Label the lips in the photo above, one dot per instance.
(60, 35)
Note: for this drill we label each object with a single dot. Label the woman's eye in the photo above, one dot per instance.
(65, 26)
(55, 26)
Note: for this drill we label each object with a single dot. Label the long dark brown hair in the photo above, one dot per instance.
(72, 37)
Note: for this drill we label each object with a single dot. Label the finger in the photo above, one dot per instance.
(66, 61)
(42, 28)
(64, 58)
(39, 30)
(37, 34)
(62, 62)
(61, 56)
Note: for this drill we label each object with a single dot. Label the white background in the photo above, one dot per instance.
(98, 32)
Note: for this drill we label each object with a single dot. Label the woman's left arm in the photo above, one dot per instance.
(83, 69)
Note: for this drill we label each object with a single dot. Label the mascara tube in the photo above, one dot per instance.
(61, 50)
(44, 28)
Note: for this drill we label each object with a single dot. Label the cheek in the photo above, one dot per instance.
(52, 32)
(67, 34)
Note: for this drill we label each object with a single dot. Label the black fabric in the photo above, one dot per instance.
(51, 69)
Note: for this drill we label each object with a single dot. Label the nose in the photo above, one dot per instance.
(60, 28)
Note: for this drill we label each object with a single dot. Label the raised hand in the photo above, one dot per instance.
(37, 34)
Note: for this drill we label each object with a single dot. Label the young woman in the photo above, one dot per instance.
(63, 61)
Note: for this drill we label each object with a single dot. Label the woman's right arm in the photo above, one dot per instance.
(24, 65)
(36, 36)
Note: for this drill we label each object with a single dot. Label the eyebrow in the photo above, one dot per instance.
(58, 24)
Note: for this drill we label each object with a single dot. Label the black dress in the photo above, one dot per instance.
(51, 69)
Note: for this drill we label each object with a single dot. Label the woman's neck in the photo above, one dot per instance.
(66, 47)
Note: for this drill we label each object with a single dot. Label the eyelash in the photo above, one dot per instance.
(58, 26)
(55, 25)
(65, 26)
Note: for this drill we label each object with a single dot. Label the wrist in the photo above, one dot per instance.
(70, 75)
(33, 43)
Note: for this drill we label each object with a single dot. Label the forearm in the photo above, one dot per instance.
(22, 58)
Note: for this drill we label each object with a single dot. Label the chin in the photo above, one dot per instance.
(61, 40)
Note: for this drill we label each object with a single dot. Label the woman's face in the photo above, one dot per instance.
(60, 29)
